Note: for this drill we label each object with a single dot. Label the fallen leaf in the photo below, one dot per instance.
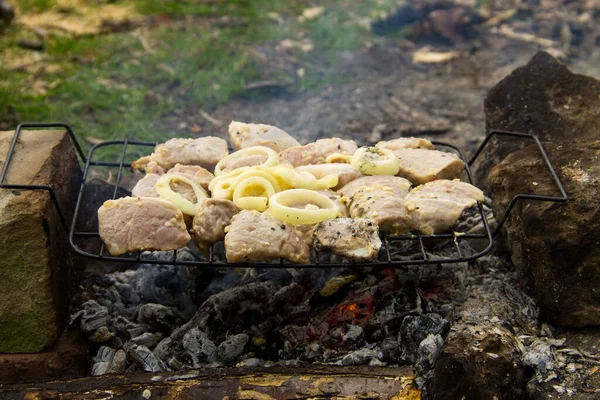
(311, 13)
(432, 57)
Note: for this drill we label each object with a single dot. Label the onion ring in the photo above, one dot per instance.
(163, 187)
(375, 161)
(311, 214)
(272, 157)
(253, 202)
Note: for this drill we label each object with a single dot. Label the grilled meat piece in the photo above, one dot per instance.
(317, 152)
(205, 151)
(406, 143)
(211, 219)
(345, 172)
(353, 238)
(246, 161)
(244, 135)
(254, 237)
(379, 198)
(420, 165)
(130, 223)
(349, 189)
(337, 199)
(436, 206)
(194, 172)
(146, 187)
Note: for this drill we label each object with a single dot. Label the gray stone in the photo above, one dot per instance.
(479, 362)
(555, 246)
(103, 334)
(37, 267)
(232, 347)
(119, 362)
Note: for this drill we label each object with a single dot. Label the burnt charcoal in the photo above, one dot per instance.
(291, 293)
(199, 347)
(429, 350)
(91, 317)
(119, 363)
(161, 284)
(102, 334)
(233, 347)
(138, 330)
(103, 360)
(390, 349)
(415, 329)
(148, 339)
(166, 348)
(313, 351)
(122, 325)
(251, 363)
(145, 358)
(296, 335)
(353, 334)
(360, 357)
(541, 357)
(215, 312)
(160, 317)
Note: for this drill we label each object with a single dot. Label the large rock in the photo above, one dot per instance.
(543, 98)
(36, 264)
(554, 246)
(479, 362)
(546, 99)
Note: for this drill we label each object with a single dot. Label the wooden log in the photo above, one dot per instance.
(314, 382)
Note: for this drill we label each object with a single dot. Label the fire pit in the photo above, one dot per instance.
(388, 312)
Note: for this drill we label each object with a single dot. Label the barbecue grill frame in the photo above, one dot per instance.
(417, 237)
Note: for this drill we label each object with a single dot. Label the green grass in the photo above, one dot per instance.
(109, 86)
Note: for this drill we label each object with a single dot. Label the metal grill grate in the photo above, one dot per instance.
(397, 251)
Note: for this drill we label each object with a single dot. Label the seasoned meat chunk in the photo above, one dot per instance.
(254, 237)
(244, 135)
(130, 223)
(349, 189)
(379, 198)
(345, 172)
(337, 199)
(212, 218)
(317, 152)
(420, 166)
(246, 161)
(406, 143)
(200, 175)
(353, 238)
(205, 151)
(146, 187)
(436, 206)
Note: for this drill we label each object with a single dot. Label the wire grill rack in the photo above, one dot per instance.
(397, 251)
